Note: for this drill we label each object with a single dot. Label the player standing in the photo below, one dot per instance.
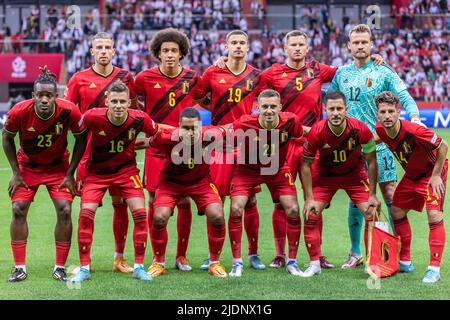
(360, 82)
(88, 89)
(232, 93)
(112, 163)
(422, 154)
(265, 136)
(187, 178)
(43, 159)
(167, 90)
(341, 142)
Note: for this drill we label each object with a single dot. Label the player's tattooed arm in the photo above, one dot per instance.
(78, 151)
(436, 183)
(9, 147)
(204, 102)
(374, 203)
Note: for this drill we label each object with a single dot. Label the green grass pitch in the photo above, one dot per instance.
(254, 285)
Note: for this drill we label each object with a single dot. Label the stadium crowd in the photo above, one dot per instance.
(420, 56)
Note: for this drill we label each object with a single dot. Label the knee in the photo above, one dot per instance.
(434, 217)
(236, 209)
(64, 213)
(292, 209)
(217, 218)
(159, 219)
(19, 211)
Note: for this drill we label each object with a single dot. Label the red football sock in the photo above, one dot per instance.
(251, 225)
(85, 233)
(216, 238)
(294, 228)
(159, 239)
(150, 216)
(279, 220)
(320, 230)
(120, 225)
(184, 221)
(140, 234)
(312, 236)
(235, 234)
(19, 250)
(62, 251)
(366, 234)
(436, 241)
(403, 230)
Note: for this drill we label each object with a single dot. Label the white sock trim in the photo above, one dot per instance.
(435, 268)
(23, 267)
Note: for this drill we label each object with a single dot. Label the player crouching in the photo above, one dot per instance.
(422, 154)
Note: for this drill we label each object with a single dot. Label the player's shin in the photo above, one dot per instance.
(436, 242)
(279, 221)
(120, 226)
(355, 222)
(251, 225)
(159, 239)
(85, 234)
(312, 236)
(140, 234)
(184, 221)
(216, 238)
(294, 226)
(235, 234)
(403, 230)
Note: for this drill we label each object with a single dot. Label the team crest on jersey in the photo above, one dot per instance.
(222, 80)
(351, 144)
(131, 134)
(310, 72)
(58, 128)
(369, 82)
(185, 87)
(284, 136)
(249, 85)
(406, 147)
(31, 129)
(157, 86)
(92, 86)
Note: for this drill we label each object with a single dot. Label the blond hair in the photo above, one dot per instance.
(360, 28)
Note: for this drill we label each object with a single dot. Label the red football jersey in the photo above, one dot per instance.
(43, 143)
(165, 97)
(255, 141)
(338, 155)
(88, 89)
(414, 147)
(300, 89)
(192, 170)
(232, 95)
(112, 146)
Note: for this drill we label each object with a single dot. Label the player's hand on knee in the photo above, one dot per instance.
(220, 62)
(437, 186)
(309, 209)
(16, 182)
(69, 183)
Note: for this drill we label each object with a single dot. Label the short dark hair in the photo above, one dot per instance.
(269, 93)
(386, 97)
(46, 77)
(335, 95)
(295, 33)
(102, 35)
(236, 33)
(190, 113)
(118, 86)
(169, 35)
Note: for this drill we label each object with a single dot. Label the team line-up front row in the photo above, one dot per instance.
(334, 154)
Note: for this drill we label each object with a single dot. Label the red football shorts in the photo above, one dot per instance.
(152, 169)
(203, 192)
(81, 175)
(357, 188)
(34, 178)
(245, 180)
(126, 182)
(414, 194)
